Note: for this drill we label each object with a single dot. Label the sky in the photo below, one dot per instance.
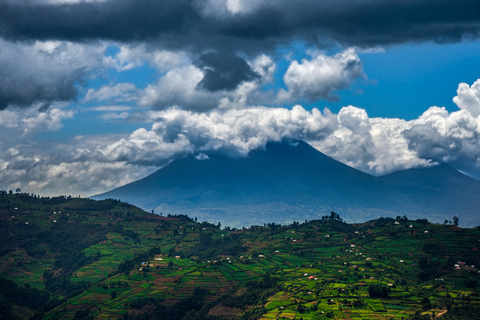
(95, 94)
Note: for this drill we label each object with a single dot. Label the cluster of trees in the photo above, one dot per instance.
(130, 234)
(4, 192)
(130, 264)
(377, 291)
(333, 216)
(23, 295)
(209, 247)
(430, 269)
(192, 308)
(257, 293)
(455, 221)
(61, 282)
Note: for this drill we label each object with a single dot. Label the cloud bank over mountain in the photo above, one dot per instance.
(374, 145)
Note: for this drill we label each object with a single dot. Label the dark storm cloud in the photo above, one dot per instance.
(199, 26)
(224, 71)
(43, 73)
(257, 24)
(123, 20)
(23, 90)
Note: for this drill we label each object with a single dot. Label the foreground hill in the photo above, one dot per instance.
(292, 181)
(85, 259)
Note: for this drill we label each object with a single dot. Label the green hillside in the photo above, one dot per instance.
(72, 258)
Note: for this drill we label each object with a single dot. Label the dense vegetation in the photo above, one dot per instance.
(72, 258)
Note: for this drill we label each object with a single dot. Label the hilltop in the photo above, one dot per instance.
(84, 259)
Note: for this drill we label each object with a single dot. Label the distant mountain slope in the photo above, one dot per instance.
(439, 190)
(292, 181)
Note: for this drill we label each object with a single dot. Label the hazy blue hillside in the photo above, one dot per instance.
(292, 181)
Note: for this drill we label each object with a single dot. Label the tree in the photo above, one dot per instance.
(113, 295)
(375, 290)
(333, 216)
(426, 304)
(455, 220)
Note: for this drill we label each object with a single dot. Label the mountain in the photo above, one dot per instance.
(292, 181)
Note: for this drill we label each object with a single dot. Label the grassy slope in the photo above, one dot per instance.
(344, 259)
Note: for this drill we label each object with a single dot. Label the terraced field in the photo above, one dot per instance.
(121, 262)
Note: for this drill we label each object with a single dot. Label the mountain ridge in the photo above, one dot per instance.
(292, 181)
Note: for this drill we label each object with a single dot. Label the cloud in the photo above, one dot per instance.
(445, 137)
(227, 81)
(79, 21)
(373, 145)
(120, 92)
(223, 71)
(179, 87)
(264, 66)
(97, 163)
(44, 2)
(201, 157)
(19, 125)
(454, 137)
(40, 174)
(115, 116)
(51, 168)
(184, 86)
(242, 24)
(135, 55)
(468, 98)
(43, 72)
(111, 108)
(113, 113)
(318, 78)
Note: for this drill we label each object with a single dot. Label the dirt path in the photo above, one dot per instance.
(441, 313)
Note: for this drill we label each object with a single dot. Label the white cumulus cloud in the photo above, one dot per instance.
(180, 87)
(321, 76)
(25, 123)
(133, 56)
(452, 138)
(468, 97)
(373, 145)
(120, 92)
